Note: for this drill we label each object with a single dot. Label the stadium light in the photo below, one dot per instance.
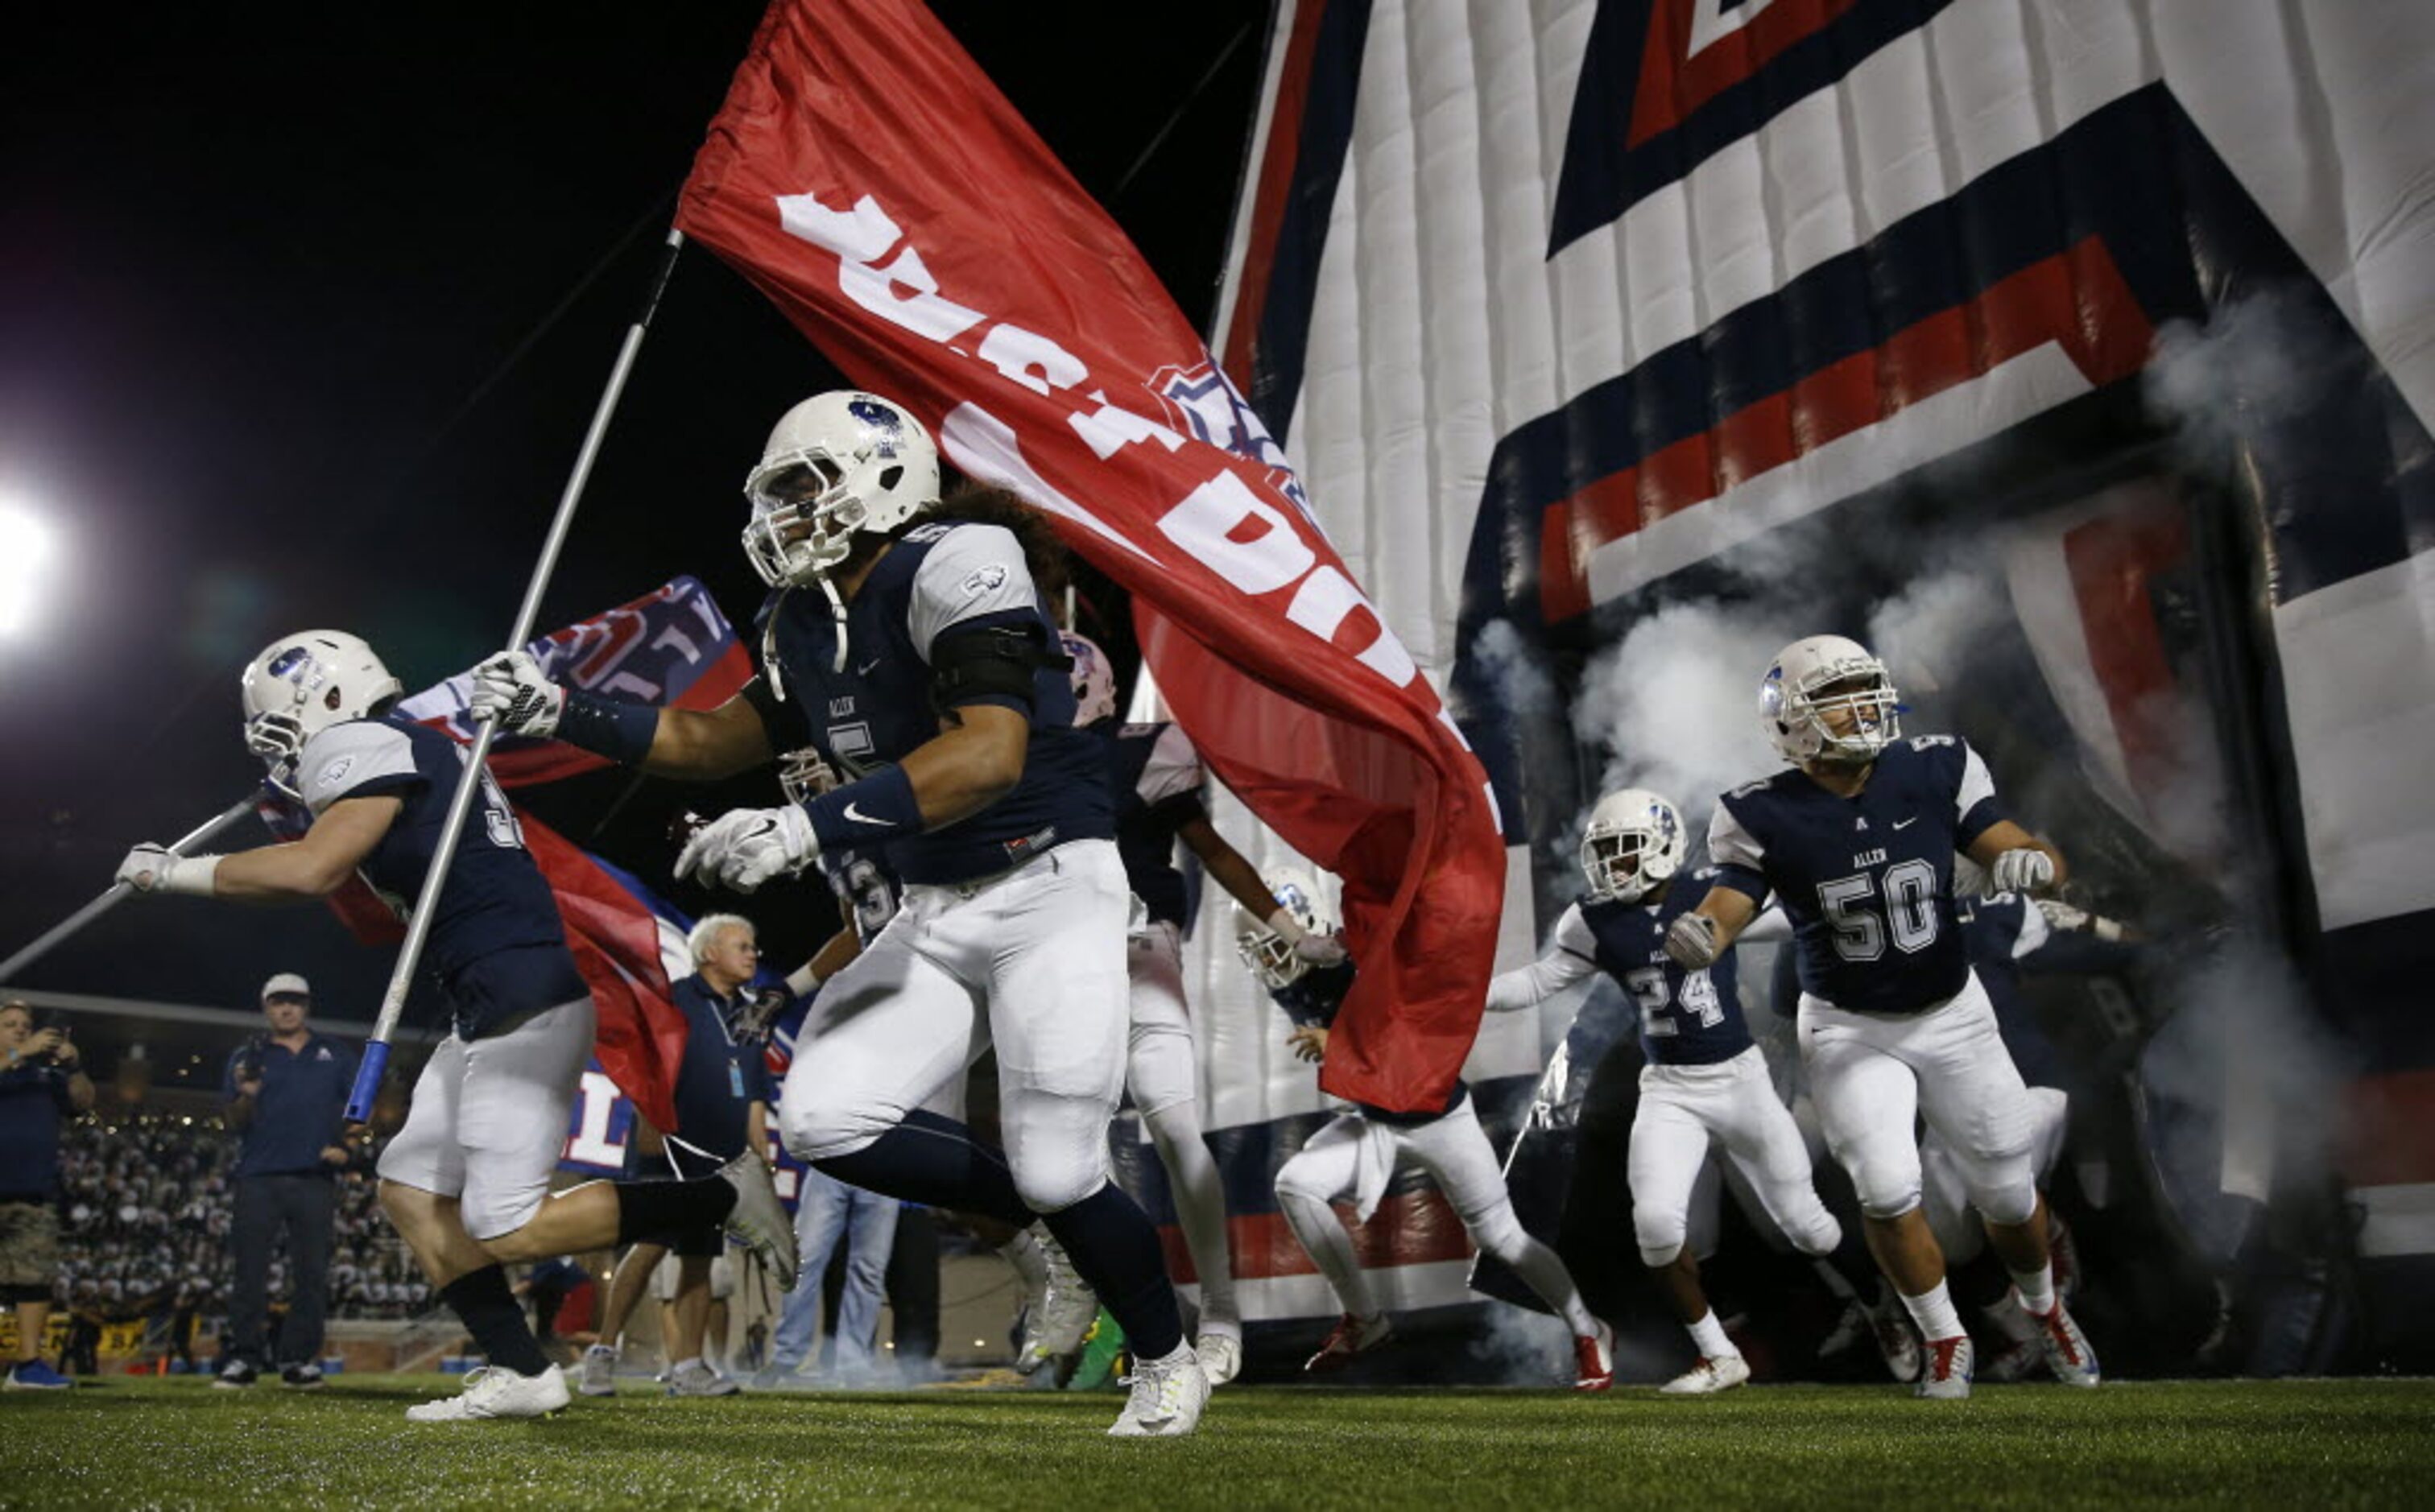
(28, 547)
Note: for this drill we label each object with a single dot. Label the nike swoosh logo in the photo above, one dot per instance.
(1905, 824)
(867, 668)
(855, 814)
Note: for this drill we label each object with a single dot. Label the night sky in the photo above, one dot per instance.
(277, 351)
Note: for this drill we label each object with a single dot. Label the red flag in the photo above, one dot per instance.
(640, 1037)
(898, 209)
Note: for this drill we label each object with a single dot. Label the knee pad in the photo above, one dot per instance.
(1056, 1190)
(1497, 1231)
(1888, 1187)
(2003, 1190)
(1660, 1235)
(1161, 1072)
(1807, 1224)
(1176, 1124)
(823, 1131)
(1295, 1178)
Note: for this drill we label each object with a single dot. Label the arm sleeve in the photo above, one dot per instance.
(1740, 859)
(1975, 808)
(1173, 770)
(1571, 955)
(974, 572)
(359, 759)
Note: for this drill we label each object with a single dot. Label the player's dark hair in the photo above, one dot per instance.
(982, 504)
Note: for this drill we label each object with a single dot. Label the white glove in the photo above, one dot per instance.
(157, 869)
(1321, 949)
(2023, 870)
(744, 847)
(1691, 940)
(512, 688)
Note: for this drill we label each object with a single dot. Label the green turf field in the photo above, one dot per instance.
(174, 1443)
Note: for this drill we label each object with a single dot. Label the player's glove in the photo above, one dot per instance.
(744, 847)
(2023, 870)
(1691, 940)
(157, 869)
(511, 689)
(1321, 949)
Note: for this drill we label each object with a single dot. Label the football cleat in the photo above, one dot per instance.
(302, 1377)
(1351, 1336)
(597, 1375)
(758, 1221)
(2068, 1356)
(1068, 1309)
(1222, 1357)
(235, 1374)
(1167, 1399)
(1709, 1377)
(495, 1391)
(1593, 1359)
(694, 1377)
(1897, 1341)
(1945, 1368)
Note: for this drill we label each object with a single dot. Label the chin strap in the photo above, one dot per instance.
(770, 647)
(836, 612)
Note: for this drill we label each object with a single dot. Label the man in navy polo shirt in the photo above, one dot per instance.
(288, 1096)
(722, 1105)
(41, 1081)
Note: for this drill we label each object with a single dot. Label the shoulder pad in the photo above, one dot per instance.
(924, 535)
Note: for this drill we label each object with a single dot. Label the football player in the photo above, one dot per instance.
(466, 1181)
(1705, 1081)
(1858, 842)
(1156, 782)
(912, 648)
(1354, 1156)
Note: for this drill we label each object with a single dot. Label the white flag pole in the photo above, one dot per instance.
(116, 891)
(375, 1061)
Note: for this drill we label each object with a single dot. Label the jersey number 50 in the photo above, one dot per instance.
(1910, 913)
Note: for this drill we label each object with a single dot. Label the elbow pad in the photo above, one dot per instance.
(994, 662)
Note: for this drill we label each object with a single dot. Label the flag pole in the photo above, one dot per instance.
(375, 1061)
(111, 895)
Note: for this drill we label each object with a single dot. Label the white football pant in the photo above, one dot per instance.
(1454, 1152)
(1730, 1103)
(1164, 1077)
(488, 1119)
(1033, 961)
(1872, 1074)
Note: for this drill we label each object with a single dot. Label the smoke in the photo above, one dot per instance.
(1504, 659)
(2254, 369)
(1673, 706)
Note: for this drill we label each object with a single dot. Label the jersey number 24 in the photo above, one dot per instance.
(1697, 999)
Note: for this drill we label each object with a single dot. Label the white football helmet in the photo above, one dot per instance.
(804, 775)
(1269, 954)
(1819, 676)
(1095, 680)
(301, 685)
(835, 465)
(1634, 841)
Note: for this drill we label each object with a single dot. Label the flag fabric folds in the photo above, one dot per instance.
(898, 209)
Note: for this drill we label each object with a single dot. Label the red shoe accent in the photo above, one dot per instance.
(1337, 1351)
(2052, 1323)
(1593, 1360)
(1940, 1356)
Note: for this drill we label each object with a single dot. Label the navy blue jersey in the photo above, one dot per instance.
(1867, 880)
(1312, 1001)
(936, 581)
(1687, 1018)
(34, 1101)
(497, 948)
(1155, 781)
(867, 889)
(717, 1081)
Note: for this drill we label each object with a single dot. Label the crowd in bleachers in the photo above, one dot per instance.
(146, 1214)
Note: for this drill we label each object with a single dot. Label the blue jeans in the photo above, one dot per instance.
(830, 1210)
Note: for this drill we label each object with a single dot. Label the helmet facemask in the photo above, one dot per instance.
(301, 685)
(1634, 843)
(1823, 681)
(1269, 954)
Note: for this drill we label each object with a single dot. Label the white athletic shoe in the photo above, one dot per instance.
(757, 1220)
(495, 1391)
(1167, 1397)
(1222, 1357)
(1945, 1366)
(694, 1377)
(1709, 1377)
(2068, 1356)
(597, 1375)
(1593, 1359)
(1068, 1309)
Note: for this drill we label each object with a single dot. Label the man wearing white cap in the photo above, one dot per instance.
(288, 1093)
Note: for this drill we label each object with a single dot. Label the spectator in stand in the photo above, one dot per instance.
(288, 1095)
(41, 1080)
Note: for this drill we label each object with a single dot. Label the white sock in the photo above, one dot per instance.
(1933, 1309)
(2037, 1289)
(681, 1364)
(1330, 1248)
(1709, 1335)
(1200, 1198)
